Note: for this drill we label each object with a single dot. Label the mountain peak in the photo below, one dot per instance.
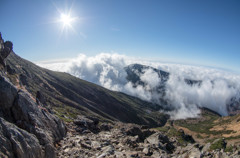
(5, 50)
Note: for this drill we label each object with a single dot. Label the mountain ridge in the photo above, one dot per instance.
(68, 92)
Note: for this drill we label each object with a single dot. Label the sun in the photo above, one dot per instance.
(66, 20)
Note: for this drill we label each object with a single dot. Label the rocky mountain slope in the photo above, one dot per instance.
(70, 96)
(51, 114)
(131, 140)
(33, 99)
(27, 128)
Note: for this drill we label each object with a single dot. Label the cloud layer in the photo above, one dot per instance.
(215, 92)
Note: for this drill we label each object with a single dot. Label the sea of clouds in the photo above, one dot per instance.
(217, 88)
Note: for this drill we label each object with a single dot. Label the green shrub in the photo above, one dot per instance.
(219, 144)
(229, 149)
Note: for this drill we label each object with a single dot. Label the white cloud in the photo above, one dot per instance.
(151, 78)
(215, 91)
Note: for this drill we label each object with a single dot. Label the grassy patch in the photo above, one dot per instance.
(199, 136)
(172, 132)
(66, 113)
(220, 144)
(229, 149)
(163, 129)
(202, 124)
(231, 138)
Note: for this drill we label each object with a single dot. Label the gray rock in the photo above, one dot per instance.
(133, 130)
(10, 70)
(186, 137)
(153, 139)
(131, 141)
(156, 138)
(8, 92)
(105, 127)
(161, 141)
(147, 151)
(108, 150)
(195, 153)
(37, 120)
(23, 80)
(40, 98)
(5, 50)
(17, 142)
(86, 124)
(96, 145)
(19, 108)
(206, 148)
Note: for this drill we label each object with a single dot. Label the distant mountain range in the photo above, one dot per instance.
(135, 71)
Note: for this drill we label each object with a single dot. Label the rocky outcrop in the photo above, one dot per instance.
(40, 99)
(16, 142)
(20, 108)
(5, 50)
(8, 92)
(37, 120)
(85, 124)
(186, 137)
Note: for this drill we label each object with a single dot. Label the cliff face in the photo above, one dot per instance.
(27, 128)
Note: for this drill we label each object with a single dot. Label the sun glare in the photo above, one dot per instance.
(66, 19)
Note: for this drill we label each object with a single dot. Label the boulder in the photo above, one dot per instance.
(133, 130)
(105, 127)
(206, 148)
(40, 98)
(108, 150)
(131, 141)
(17, 142)
(10, 70)
(195, 153)
(96, 145)
(147, 151)
(23, 80)
(186, 137)
(157, 137)
(5, 50)
(161, 141)
(136, 130)
(85, 124)
(8, 92)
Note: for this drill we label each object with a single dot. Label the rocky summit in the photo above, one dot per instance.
(47, 114)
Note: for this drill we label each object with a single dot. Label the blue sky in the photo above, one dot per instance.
(202, 32)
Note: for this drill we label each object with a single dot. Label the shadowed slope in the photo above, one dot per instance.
(70, 96)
